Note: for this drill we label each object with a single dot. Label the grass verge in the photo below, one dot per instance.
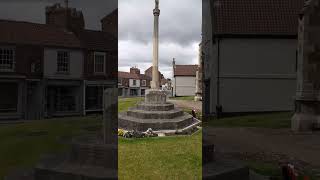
(161, 158)
(186, 98)
(268, 120)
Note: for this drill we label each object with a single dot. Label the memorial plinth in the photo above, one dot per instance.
(155, 112)
(91, 157)
(155, 97)
(215, 168)
(158, 114)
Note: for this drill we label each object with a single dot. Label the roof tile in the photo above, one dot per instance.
(185, 70)
(17, 32)
(275, 17)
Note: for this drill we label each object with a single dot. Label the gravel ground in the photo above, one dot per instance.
(187, 104)
(280, 145)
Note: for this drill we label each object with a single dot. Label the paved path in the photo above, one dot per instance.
(268, 144)
(187, 104)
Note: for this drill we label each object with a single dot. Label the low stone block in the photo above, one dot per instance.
(225, 170)
(155, 97)
(154, 114)
(132, 123)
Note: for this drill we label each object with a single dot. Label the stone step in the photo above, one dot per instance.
(132, 123)
(68, 171)
(138, 113)
(155, 107)
(101, 155)
(193, 127)
(62, 167)
(222, 169)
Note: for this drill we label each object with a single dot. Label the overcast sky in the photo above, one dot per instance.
(34, 10)
(179, 33)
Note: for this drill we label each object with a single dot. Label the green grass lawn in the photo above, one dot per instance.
(161, 158)
(268, 120)
(187, 98)
(22, 145)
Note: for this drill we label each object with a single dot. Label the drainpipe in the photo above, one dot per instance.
(84, 97)
(218, 106)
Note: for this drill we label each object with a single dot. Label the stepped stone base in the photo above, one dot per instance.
(89, 159)
(70, 171)
(157, 114)
(218, 169)
(139, 124)
(141, 114)
(225, 170)
(155, 107)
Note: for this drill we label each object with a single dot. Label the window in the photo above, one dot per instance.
(99, 62)
(9, 97)
(94, 97)
(143, 92)
(134, 82)
(35, 67)
(120, 92)
(133, 92)
(144, 83)
(63, 61)
(7, 59)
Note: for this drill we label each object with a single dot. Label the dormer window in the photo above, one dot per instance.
(99, 62)
(63, 62)
(7, 59)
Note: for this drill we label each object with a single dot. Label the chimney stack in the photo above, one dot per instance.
(65, 17)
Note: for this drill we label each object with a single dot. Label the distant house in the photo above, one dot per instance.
(148, 72)
(133, 83)
(184, 79)
(50, 69)
(249, 51)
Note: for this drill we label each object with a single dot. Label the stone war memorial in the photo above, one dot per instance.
(91, 157)
(307, 111)
(155, 112)
(198, 94)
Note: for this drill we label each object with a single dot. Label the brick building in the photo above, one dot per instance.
(133, 83)
(162, 79)
(54, 69)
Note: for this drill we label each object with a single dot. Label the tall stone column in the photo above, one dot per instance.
(198, 96)
(307, 111)
(155, 84)
(155, 95)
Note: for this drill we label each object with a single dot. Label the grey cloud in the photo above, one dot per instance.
(180, 33)
(136, 53)
(180, 20)
(34, 10)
